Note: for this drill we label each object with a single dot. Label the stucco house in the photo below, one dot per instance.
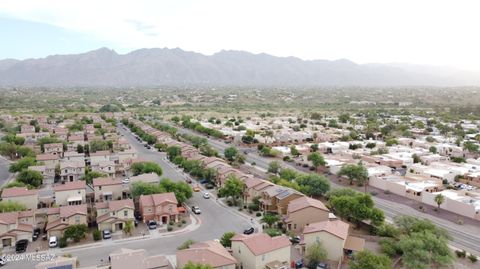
(59, 218)
(138, 259)
(112, 215)
(70, 193)
(106, 188)
(48, 159)
(22, 195)
(209, 253)
(71, 171)
(15, 226)
(54, 148)
(259, 251)
(303, 211)
(161, 207)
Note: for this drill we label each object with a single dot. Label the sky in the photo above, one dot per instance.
(430, 32)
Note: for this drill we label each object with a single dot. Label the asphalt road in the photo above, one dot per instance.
(215, 221)
(4, 174)
(465, 236)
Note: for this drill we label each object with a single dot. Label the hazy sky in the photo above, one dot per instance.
(432, 32)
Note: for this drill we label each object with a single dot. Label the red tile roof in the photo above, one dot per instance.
(104, 181)
(74, 185)
(210, 252)
(157, 199)
(17, 191)
(47, 157)
(261, 243)
(334, 227)
(304, 202)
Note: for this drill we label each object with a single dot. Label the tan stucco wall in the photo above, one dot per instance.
(306, 216)
(61, 197)
(30, 201)
(244, 256)
(333, 244)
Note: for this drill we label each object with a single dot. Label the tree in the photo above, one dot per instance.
(191, 265)
(11, 206)
(226, 239)
(356, 207)
(270, 219)
(231, 153)
(356, 172)
(233, 188)
(313, 184)
(30, 177)
(314, 147)
(22, 164)
(433, 149)
(439, 199)
(145, 168)
(316, 253)
(75, 232)
(128, 228)
(80, 148)
(367, 260)
(90, 175)
(294, 151)
(316, 159)
(274, 167)
(173, 152)
(186, 244)
(470, 147)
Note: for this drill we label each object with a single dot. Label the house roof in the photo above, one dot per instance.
(17, 191)
(334, 227)
(74, 185)
(105, 181)
(67, 164)
(47, 157)
(210, 252)
(157, 199)
(67, 211)
(354, 243)
(261, 243)
(304, 202)
(53, 145)
(251, 182)
(100, 153)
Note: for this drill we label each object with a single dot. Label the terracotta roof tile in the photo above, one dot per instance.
(304, 202)
(334, 227)
(17, 191)
(261, 243)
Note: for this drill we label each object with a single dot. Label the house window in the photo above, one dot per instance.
(77, 219)
(295, 226)
(149, 210)
(125, 213)
(263, 257)
(100, 188)
(318, 239)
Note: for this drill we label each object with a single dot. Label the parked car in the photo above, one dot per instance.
(203, 181)
(209, 186)
(126, 180)
(295, 239)
(196, 189)
(135, 221)
(196, 210)
(152, 225)
(249, 230)
(206, 195)
(188, 180)
(106, 234)
(3, 261)
(21, 246)
(53, 242)
(322, 266)
(299, 263)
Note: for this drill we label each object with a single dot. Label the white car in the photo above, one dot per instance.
(126, 180)
(53, 242)
(206, 195)
(196, 210)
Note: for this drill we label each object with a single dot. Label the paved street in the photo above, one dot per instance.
(4, 174)
(464, 236)
(215, 221)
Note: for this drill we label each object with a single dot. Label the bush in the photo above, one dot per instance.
(387, 192)
(259, 214)
(472, 258)
(169, 228)
(62, 242)
(170, 223)
(389, 247)
(184, 221)
(229, 203)
(461, 254)
(97, 235)
(253, 207)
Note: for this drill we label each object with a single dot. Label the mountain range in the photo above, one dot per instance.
(176, 67)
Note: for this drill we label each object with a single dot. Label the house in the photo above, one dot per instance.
(59, 218)
(54, 148)
(74, 156)
(112, 215)
(333, 234)
(106, 188)
(303, 211)
(104, 167)
(276, 198)
(70, 193)
(259, 251)
(25, 129)
(22, 195)
(209, 253)
(161, 207)
(48, 159)
(137, 258)
(100, 156)
(47, 171)
(15, 226)
(71, 171)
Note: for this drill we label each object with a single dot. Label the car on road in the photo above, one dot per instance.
(249, 230)
(126, 180)
(196, 189)
(53, 242)
(188, 180)
(209, 186)
(322, 266)
(3, 261)
(295, 239)
(106, 234)
(203, 181)
(299, 263)
(206, 195)
(21, 246)
(35, 235)
(196, 210)
(152, 225)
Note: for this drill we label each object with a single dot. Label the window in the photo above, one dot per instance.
(125, 213)
(77, 219)
(100, 188)
(318, 239)
(263, 257)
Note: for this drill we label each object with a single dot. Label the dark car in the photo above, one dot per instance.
(203, 181)
(322, 266)
(36, 233)
(250, 230)
(21, 246)
(188, 180)
(152, 225)
(299, 263)
(295, 239)
(135, 222)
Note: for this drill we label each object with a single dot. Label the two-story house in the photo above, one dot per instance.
(72, 171)
(210, 253)
(104, 167)
(54, 148)
(276, 198)
(15, 226)
(107, 188)
(70, 193)
(161, 207)
(59, 218)
(303, 211)
(21, 195)
(48, 159)
(260, 251)
(112, 215)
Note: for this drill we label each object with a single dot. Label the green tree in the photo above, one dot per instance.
(231, 153)
(439, 199)
(367, 260)
(226, 239)
(294, 151)
(274, 167)
(30, 177)
(233, 188)
(316, 159)
(128, 228)
(316, 253)
(76, 232)
(22, 164)
(470, 147)
(313, 184)
(433, 149)
(145, 168)
(90, 175)
(11, 206)
(356, 207)
(191, 265)
(270, 219)
(355, 172)
(173, 152)
(186, 244)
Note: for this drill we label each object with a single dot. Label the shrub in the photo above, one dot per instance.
(62, 242)
(179, 225)
(97, 235)
(169, 228)
(253, 207)
(240, 209)
(472, 258)
(387, 192)
(170, 223)
(461, 254)
(259, 214)
(229, 203)
(184, 221)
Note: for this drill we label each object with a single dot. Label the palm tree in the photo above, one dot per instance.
(270, 219)
(439, 199)
(128, 228)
